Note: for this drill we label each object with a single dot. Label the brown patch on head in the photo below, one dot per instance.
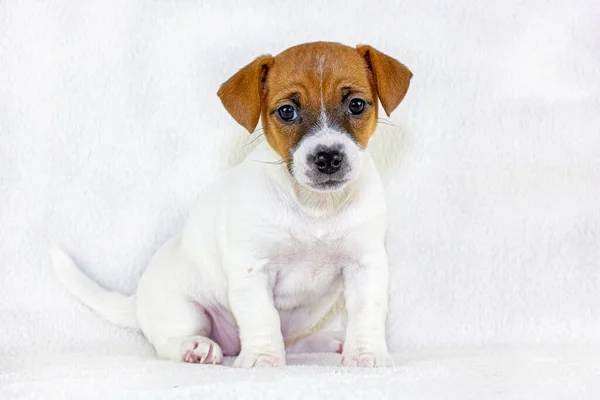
(317, 78)
(320, 81)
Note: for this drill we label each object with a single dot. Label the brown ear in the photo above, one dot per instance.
(391, 77)
(241, 94)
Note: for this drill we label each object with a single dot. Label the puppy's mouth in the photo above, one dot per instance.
(329, 185)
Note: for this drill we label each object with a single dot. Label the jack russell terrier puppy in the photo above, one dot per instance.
(271, 247)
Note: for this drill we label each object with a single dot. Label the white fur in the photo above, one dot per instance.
(272, 254)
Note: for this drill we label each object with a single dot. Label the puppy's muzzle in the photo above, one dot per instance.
(326, 160)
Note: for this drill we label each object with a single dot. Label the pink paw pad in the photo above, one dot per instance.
(203, 351)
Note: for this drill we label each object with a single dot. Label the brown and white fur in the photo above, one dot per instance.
(272, 246)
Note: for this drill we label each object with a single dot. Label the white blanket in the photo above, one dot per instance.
(110, 126)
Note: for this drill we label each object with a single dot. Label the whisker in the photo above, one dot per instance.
(270, 162)
(258, 136)
(385, 122)
(257, 131)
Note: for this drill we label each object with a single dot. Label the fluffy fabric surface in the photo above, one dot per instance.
(456, 374)
(110, 126)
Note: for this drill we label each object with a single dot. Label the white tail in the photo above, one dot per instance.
(114, 307)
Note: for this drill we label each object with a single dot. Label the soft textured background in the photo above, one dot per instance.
(110, 126)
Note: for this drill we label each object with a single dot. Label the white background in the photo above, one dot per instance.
(110, 126)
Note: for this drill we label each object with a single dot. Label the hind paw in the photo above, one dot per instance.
(201, 350)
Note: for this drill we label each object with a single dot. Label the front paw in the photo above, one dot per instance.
(252, 358)
(367, 359)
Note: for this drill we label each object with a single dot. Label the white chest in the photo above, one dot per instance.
(307, 267)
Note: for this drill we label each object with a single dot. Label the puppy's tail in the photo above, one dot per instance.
(114, 307)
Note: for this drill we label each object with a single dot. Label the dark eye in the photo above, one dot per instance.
(287, 113)
(357, 106)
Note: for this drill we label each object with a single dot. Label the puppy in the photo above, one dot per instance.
(272, 246)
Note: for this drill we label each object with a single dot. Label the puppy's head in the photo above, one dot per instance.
(318, 104)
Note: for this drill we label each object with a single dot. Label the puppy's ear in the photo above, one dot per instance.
(242, 93)
(391, 77)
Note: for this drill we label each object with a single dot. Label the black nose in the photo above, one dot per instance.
(329, 162)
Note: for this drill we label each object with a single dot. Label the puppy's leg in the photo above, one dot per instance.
(178, 329)
(319, 342)
(251, 301)
(366, 294)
